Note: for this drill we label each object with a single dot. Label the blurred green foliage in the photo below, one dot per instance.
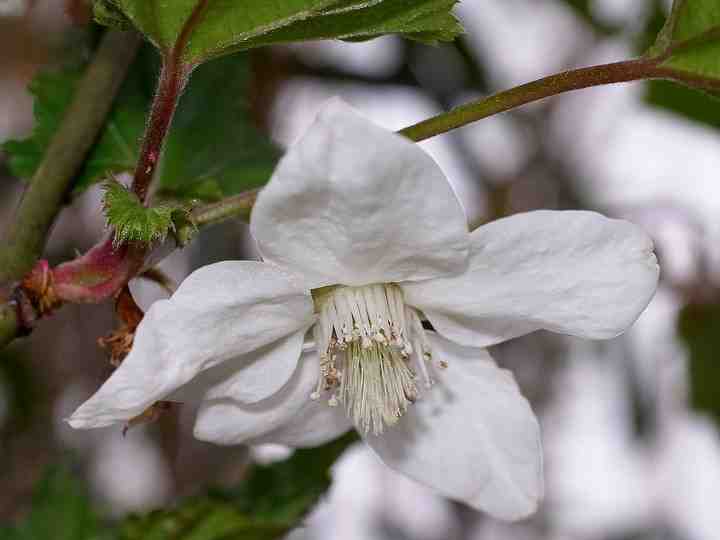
(699, 329)
(584, 9)
(694, 105)
(61, 510)
(269, 502)
(20, 388)
(285, 491)
(212, 150)
(52, 92)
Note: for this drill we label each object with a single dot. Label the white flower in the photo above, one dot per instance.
(363, 239)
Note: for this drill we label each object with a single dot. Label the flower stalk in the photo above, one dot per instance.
(559, 83)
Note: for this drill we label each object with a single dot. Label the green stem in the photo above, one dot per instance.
(237, 206)
(24, 239)
(576, 79)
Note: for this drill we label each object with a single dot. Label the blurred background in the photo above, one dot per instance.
(630, 426)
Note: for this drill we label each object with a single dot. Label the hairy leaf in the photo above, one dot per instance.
(224, 26)
(134, 222)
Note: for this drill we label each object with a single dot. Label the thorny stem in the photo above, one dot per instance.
(171, 83)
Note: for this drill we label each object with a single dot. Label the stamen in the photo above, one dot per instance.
(375, 338)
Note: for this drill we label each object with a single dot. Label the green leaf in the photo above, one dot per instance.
(60, 510)
(692, 104)
(688, 46)
(688, 102)
(219, 27)
(107, 13)
(134, 222)
(699, 329)
(269, 502)
(52, 93)
(213, 149)
(284, 492)
(424, 20)
(117, 148)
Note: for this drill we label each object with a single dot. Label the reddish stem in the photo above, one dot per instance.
(173, 78)
(98, 274)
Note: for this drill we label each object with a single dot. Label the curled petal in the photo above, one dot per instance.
(219, 312)
(226, 421)
(247, 378)
(314, 424)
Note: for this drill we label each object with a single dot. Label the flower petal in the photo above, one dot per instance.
(219, 312)
(314, 424)
(248, 378)
(225, 421)
(576, 273)
(472, 437)
(352, 203)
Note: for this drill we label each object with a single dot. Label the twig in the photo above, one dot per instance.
(576, 79)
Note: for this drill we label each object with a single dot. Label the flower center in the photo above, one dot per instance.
(371, 348)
